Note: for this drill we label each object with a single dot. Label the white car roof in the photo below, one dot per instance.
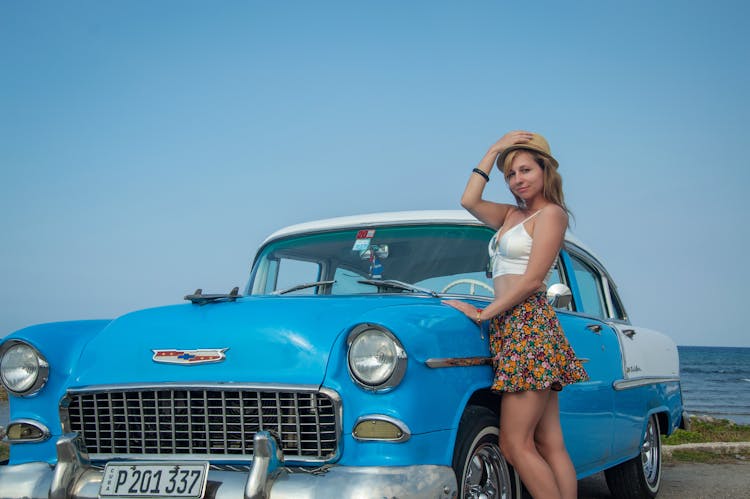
(379, 219)
(393, 218)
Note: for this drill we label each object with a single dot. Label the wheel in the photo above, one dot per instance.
(481, 470)
(473, 283)
(641, 476)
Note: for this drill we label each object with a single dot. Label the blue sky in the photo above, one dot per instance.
(147, 148)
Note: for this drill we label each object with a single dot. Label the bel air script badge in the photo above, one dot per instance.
(190, 357)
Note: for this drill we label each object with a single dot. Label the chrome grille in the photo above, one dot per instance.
(216, 422)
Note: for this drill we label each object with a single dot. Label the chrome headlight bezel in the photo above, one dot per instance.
(38, 364)
(393, 365)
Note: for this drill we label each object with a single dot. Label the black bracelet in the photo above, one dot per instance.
(481, 174)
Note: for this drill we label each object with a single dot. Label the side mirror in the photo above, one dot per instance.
(559, 295)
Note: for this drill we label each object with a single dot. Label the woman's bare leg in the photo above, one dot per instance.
(519, 417)
(550, 443)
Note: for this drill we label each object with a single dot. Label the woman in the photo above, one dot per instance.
(532, 357)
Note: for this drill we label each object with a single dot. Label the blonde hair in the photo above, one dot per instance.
(552, 190)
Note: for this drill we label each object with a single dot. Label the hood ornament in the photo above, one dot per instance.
(189, 357)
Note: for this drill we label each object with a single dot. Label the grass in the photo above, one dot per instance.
(705, 430)
(709, 430)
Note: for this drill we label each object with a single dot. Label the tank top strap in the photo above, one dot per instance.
(531, 216)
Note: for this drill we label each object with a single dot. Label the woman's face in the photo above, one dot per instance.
(525, 177)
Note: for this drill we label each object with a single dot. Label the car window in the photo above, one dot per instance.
(347, 282)
(292, 272)
(589, 288)
(618, 312)
(437, 257)
(556, 274)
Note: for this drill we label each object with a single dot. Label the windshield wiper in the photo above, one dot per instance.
(394, 284)
(302, 286)
(198, 298)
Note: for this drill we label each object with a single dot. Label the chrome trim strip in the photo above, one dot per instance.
(405, 431)
(209, 385)
(31, 422)
(459, 362)
(298, 461)
(486, 299)
(608, 298)
(625, 384)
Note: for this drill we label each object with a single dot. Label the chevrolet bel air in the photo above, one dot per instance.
(336, 372)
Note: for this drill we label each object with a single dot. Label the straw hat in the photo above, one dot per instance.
(537, 144)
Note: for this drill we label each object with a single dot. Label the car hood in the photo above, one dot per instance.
(265, 340)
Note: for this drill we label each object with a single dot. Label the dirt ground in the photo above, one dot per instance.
(686, 481)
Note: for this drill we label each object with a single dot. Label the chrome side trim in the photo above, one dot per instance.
(459, 362)
(36, 424)
(405, 431)
(625, 384)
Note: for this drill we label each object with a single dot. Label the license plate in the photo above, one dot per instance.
(154, 479)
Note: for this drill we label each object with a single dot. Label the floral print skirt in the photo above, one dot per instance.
(529, 349)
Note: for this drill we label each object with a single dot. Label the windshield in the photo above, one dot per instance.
(442, 258)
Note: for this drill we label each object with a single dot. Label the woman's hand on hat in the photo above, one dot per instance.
(511, 138)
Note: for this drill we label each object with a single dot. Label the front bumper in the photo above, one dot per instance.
(74, 477)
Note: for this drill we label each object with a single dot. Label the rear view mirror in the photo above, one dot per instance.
(381, 251)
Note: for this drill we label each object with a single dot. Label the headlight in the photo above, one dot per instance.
(376, 359)
(23, 370)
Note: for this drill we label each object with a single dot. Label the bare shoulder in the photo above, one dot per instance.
(552, 216)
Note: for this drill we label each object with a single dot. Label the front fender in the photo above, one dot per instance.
(429, 400)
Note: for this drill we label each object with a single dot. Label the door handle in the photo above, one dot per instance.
(629, 333)
(594, 328)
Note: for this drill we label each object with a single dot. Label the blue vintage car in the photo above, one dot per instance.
(336, 373)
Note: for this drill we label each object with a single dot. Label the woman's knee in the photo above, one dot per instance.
(549, 445)
(513, 445)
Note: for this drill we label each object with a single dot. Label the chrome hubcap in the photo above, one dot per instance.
(487, 474)
(650, 453)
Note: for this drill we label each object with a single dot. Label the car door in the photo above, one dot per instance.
(587, 408)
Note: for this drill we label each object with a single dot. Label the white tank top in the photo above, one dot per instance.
(510, 255)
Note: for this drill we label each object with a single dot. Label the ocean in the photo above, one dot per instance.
(715, 382)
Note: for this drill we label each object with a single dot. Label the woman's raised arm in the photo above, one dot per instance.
(493, 214)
